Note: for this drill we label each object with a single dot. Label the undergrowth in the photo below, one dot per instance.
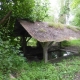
(10, 61)
(64, 70)
(14, 66)
(75, 42)
(71, 43)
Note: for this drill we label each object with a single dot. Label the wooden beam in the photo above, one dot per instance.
(23, 44)
(45, 54)
(45, 46)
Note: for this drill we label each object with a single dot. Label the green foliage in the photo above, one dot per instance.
(76, 20)
(64, 11)
(65, 43)
(76, 12)
(75, 3)
(74, 42)
(32, 42)
(18, 8)
(71, 43)
(27, 9)
(56, 71)
(40, 10)
(10, 61)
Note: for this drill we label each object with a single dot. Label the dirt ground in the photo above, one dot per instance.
(77, 76)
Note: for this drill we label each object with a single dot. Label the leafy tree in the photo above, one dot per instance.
(76, 20)
(28, 9)
(64, 11)
(31, 10)
(75, 3)
(76, 12)
(10, 62)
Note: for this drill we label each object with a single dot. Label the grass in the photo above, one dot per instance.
(56, 25)
(76, 29)
(64, 70)
(71, 43)
(74, 42)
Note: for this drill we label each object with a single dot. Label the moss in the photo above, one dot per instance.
(42, 30)
(73, 28)
(78, 28)
(56, 25)
(61, 26)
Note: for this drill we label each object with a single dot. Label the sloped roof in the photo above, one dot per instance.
(43, 33)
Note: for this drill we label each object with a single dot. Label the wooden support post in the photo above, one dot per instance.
(60, 52)
(45, 54)
(45, 51)
(60, 45)
(24, 44)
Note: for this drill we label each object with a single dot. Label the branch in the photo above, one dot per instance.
(6, 17)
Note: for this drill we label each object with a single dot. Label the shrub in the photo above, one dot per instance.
(10, 61)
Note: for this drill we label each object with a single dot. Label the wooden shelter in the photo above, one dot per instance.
(44, 34)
